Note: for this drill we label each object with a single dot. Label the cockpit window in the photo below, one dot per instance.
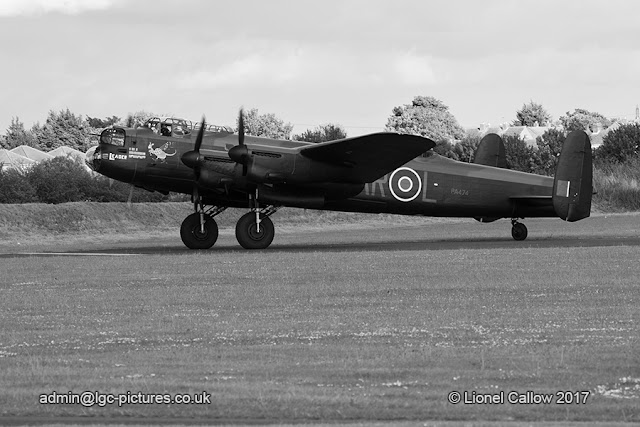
(169, 126)
(113, 136)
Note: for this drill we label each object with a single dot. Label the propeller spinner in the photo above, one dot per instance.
(192, 158)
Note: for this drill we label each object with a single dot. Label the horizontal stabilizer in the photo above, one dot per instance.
(572, 186)
(491, 152)
(370, 156)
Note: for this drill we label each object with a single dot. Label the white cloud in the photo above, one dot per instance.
(38, 7)
(256, 68)
(328, 66)
(413, 69)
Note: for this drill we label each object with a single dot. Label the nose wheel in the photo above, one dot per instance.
(518, 230)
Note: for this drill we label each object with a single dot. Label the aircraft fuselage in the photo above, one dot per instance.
(431, 186)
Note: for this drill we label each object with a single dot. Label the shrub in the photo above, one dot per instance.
(59, 180)
(15, 187)
(621, 144)
(62, 180)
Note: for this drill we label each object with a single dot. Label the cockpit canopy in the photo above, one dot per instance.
(168, 127)
(172, 126)
(113, 136)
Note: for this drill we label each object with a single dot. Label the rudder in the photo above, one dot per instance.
(572, 186)
(491, 152)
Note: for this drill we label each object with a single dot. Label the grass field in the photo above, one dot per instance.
(349, 322)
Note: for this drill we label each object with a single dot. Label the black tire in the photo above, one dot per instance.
(519, 231)
(191, 235)
(249, 237)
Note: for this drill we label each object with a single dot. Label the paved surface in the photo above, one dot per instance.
(601, 230)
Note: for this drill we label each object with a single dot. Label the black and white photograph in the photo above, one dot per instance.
(356, 212)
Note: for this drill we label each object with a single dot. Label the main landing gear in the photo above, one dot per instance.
(254, 230)
(518, 230)
(199, 230)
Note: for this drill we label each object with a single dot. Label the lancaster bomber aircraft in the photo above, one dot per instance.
(377, 173)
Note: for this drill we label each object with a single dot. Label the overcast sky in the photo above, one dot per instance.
(317, 62)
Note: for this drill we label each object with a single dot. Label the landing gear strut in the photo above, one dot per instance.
(254, 230)
(199, 230)
(518, 230)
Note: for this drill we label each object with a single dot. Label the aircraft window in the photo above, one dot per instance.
(113, 136)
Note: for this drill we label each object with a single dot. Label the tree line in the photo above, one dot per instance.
(64, 128)
(60, 180)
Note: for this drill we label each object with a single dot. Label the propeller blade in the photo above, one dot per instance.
(241, 128)
(199, 137)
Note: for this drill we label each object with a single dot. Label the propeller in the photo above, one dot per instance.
(192, 158)
(240, 152)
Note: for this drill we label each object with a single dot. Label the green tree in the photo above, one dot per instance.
(17, 135)
(465, 150)
(328, 132)
(15, 187)
(622, 144)
(520, 156)
(63, 129)
(444, 148)
(59, 180)
(581, 119)
(266, 125)
(549, 148)
(531, 114)
(137, 119)
(425, 116)
(101, 124)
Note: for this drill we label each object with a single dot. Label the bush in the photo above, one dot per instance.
(62, 180)
(59, 180)
(621, 144)
(15, 187)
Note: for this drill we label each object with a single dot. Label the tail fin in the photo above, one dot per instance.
(572, 186)
(491, 152)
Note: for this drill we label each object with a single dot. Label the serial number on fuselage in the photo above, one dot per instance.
(459, 192)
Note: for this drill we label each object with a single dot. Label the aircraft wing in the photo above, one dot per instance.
(370, 156)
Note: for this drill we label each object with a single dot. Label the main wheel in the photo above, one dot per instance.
(248, 235)
(519, 231)
(192, 235)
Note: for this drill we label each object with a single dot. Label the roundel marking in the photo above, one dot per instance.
(405, 184)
